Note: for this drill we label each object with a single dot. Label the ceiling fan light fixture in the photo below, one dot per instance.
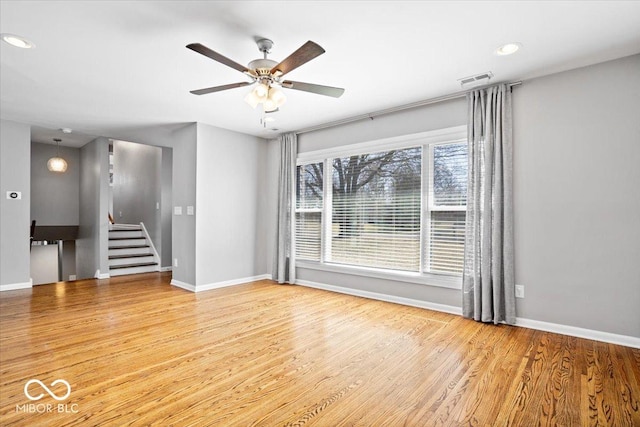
(266, 74)
(269, 105)
(277, 96)
(261, 91)
(252, 99)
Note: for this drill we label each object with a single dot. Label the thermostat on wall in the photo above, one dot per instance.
(15, 195)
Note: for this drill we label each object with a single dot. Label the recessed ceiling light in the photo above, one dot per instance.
(508, 49)
(17, 41)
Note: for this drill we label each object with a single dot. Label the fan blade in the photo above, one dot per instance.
(335, 92)
(219, 88)
(197, 47)
(304, 54)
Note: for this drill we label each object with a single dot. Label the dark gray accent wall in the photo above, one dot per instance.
(184, 194)
(166, 206)
(15, 140)
(92, 243)
(55, 197)
(137, 187)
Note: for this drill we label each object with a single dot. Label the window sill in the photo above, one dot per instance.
(443, 281)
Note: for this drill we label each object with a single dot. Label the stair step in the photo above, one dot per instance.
(132, 270)
(127, 241)
(129, 256)
(127, 238)
(129, 250)
(129, 247)
(141, 264)
(125, 233)
(126, 229)
(128, 259)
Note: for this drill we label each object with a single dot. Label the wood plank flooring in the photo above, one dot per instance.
(137, 351)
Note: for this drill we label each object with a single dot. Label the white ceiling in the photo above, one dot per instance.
(107, 68)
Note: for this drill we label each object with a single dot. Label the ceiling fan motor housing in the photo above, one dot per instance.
(262, 66)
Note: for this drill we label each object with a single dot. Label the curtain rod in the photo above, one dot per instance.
(379, 113)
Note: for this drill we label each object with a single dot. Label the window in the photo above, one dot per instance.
(375, 215)
(309, 196)
(446, 208)
(392, 206)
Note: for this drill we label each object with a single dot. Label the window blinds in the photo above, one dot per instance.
(446, 209)
(375, 218)
(401, 209)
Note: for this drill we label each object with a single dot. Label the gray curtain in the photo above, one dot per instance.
(488, 288)
(284, 269)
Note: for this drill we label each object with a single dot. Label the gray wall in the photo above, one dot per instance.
(92, 243)
(137, 187)
(576, 176)
(44, 264)
(55, 197)
(577, 197)
(166, 206)
(183, 141)
(230, 238)
(15, 147)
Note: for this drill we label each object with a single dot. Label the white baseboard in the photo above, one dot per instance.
(383, 297)
(99, 275)
(16, 286)
(573, 331)
(224, 284)
(183, 285)
(162, 269)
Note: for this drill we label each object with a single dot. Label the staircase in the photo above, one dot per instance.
(130, 251)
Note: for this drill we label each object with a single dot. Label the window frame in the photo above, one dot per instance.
(426, 140)
(428, 195)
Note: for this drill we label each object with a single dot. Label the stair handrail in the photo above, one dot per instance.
(153, 248)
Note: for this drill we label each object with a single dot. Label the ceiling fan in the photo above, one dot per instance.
(268, 74)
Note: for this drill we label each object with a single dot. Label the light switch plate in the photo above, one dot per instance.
(177, 210)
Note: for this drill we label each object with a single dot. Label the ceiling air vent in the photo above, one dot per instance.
(477, 80)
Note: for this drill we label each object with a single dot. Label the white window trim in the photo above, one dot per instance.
(452, 134)
(429, 138)
(429, 279)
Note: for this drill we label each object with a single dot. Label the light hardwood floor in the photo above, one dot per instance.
(137, 351)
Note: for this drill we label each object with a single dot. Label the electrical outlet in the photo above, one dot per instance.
(14, 195)
(175, 262)
(519, 291)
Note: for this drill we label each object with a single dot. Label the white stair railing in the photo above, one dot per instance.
(156, 257)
